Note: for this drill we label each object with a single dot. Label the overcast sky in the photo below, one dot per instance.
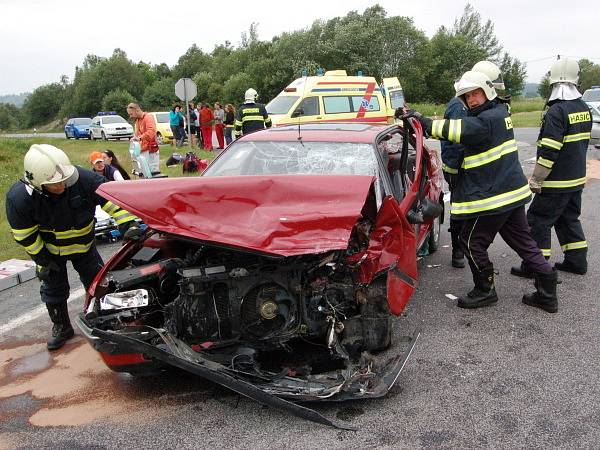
(40, 40)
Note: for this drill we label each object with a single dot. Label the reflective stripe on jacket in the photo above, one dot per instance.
(562, 145)
(60, 225)
(452, 154)
(251, 117)
(491, 180)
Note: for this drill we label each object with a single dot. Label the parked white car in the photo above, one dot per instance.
(595, 139)
(110, 126)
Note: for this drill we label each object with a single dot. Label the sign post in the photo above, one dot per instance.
(186, 90)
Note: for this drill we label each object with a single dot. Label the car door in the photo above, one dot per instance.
(394, 96)
(69, 128)
(95, 128)
(394, 240)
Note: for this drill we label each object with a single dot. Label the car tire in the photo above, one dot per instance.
(92, 138)
(434, 235)
(66, 135)
(159, 139)
(104, 138)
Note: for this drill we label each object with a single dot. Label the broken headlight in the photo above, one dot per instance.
(123, 300)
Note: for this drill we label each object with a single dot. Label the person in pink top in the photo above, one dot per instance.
(145, 133)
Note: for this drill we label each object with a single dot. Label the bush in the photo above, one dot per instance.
(117, 100)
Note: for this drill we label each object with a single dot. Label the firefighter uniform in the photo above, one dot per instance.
(452, 156)
(562, 147)
(491, 190)
(251, 117)
(61, 228)
(54, 229)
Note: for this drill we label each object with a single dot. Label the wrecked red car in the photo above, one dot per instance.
(277, 272)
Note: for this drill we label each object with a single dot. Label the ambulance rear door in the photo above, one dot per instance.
(394, 96)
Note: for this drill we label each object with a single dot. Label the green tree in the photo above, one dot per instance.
(450, 57)
(10, 117)
(203, 81)
(44, 103)
(193, 61)
(234, 88)
(98, 77)
(589, 74)
(160, 95)
(544, 88)
(469, 25)
(117, 100)
(514, 74)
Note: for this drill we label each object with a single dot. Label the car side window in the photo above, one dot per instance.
(390, 149)
(309, 106)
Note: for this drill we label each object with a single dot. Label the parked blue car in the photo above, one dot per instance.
(78, 127)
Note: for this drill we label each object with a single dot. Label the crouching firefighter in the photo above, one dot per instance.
(559, 175)
(490, 192)
(51, 214)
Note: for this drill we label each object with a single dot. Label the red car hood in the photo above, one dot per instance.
(283, 215)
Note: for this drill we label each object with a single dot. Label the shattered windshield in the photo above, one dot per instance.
(278, 158)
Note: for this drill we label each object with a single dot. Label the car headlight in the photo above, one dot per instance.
(123, 300)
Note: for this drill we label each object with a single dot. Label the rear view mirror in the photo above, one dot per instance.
(299, 112)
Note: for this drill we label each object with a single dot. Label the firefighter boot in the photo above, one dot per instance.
(484, 292)
(62, 329)
(521, 271)
(544, 296)
(568, 266)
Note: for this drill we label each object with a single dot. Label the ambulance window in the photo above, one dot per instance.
(335, 105)
(357, 102)
(309, 105)
(281, 104)
(397, 99)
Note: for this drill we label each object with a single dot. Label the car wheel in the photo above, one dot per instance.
(159, 139)
(104, 138)
(66, 135)
(434, 235)
(92, 138)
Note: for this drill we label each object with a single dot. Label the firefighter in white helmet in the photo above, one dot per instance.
(251, 116)
(51, 215)
(491, 191)
(559, 174)
(452, 153)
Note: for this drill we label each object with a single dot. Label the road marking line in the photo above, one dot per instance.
(36, 313)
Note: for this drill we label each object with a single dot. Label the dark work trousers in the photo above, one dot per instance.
(455, 227)
(562, 212)
(87, 265)
(477, 235)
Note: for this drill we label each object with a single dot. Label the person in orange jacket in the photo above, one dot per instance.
(206, 120)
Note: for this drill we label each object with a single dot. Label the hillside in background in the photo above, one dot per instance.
(530, 90)
(15, 99)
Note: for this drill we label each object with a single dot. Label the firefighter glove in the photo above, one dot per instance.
(540, 173)
(134, 233)
(44, 273)
(451, 179)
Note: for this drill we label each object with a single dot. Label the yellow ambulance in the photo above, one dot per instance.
(337, 97)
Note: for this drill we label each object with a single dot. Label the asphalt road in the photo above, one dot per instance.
(508, 376)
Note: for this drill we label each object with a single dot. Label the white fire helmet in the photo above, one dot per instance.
(46, 164)
(492, 71)
(564, 70)
(471, 81)
(250, 95)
